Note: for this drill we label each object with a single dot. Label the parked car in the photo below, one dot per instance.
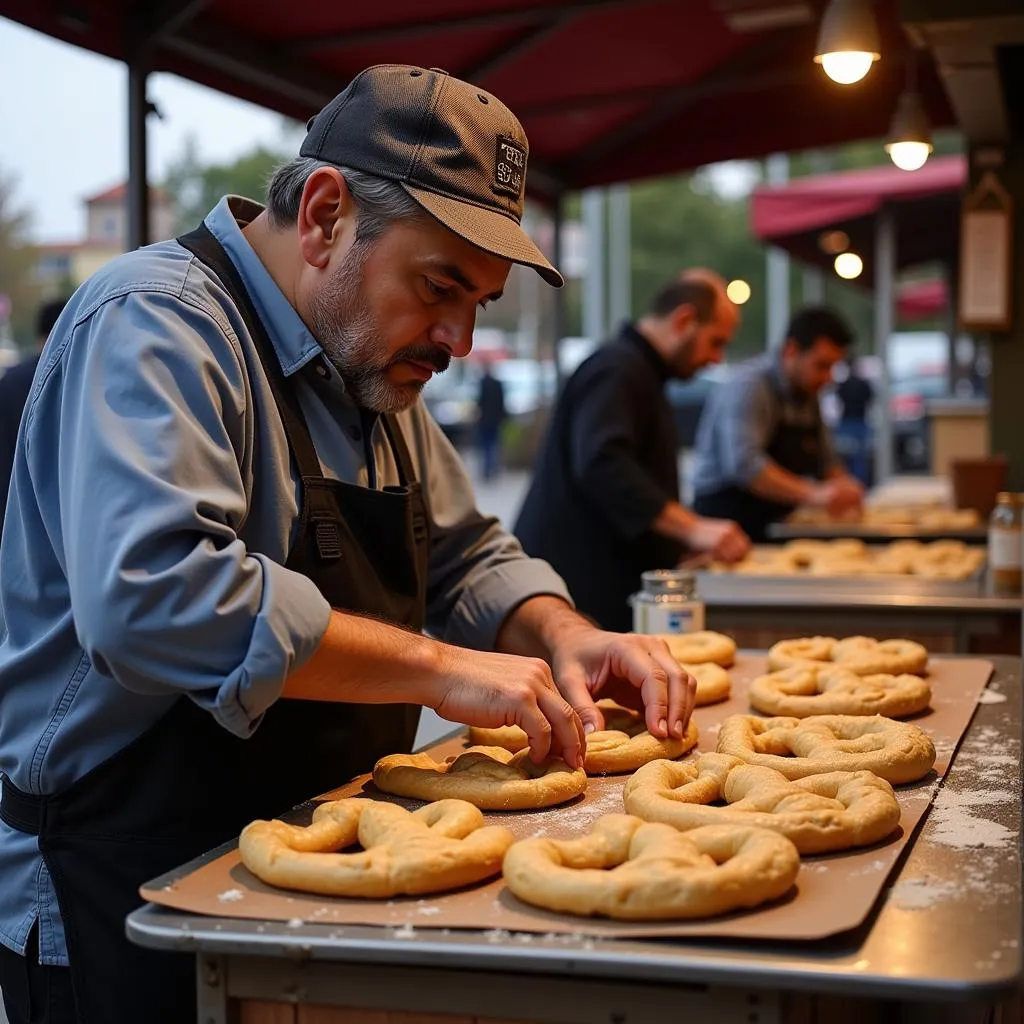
(451, 397)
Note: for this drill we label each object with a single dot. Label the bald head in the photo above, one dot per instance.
(692, 320)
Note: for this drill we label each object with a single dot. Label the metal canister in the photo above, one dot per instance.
(667, 603)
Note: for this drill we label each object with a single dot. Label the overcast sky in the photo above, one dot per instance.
(63, 126)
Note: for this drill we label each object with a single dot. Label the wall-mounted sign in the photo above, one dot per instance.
(986, 250)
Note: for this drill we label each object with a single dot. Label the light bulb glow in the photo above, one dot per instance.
(908, 156)
(848, 265)
(847, 66)
(738, 291)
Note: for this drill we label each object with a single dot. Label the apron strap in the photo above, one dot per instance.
(202, 243)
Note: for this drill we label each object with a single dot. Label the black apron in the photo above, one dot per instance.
(794, 446)
(187, 784)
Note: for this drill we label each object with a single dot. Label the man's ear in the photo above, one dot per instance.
(683, 318)
(327, 216)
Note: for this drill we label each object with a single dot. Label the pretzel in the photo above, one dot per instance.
(867, 657)
(622, 746)
(490, 778)
(701, 647)
(804, 551)
(637, 871)
(797, 747)
(862, 655)
(441, 846)
(822, 689)
(794, 652)
(713, 683)
(835, 811)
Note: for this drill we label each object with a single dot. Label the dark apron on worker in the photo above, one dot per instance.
(794, 446)
(187, 784)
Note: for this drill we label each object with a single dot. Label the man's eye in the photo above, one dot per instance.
(437, 289)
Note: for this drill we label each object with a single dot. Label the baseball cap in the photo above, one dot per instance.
(457, 150)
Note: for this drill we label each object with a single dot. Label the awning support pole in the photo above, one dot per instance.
(885, 274)
(138, 108)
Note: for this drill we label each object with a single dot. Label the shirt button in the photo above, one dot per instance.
(354, 432)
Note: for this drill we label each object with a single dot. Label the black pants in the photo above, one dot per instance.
(35, 993)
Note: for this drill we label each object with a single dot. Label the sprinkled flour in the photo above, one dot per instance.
(231, 896)
(991, 697)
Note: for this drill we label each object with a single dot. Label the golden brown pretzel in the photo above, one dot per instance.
(828, 689)
(834, 811)
(635, 871)
(623, 745)
(438, 847)
(487, 777)
(797, 747)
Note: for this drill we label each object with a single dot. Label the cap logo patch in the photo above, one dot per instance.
(509, 167)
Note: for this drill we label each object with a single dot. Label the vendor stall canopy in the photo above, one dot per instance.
(802, 215)
(608, 90)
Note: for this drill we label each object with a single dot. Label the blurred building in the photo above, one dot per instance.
(62, 266)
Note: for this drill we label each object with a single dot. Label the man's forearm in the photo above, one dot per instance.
(366, 661)
(537, 626)
(778, 484)
(675, 522)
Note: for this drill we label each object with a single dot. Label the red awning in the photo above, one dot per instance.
(608, 90)
(922, 300)
(925, 204)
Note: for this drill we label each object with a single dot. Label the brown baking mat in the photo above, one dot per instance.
(833, 892)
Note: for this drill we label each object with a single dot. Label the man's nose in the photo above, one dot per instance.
(455, 333)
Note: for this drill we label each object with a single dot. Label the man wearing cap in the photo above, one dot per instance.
(245, 557)
(603, 505)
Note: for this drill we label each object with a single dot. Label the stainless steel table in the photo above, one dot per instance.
(944, 943)
(948, 616)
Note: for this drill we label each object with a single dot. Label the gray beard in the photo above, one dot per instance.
(343, 324)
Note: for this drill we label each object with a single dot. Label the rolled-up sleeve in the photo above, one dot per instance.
(138, 430)
(608, 413)
(742, 419)
(478, 571)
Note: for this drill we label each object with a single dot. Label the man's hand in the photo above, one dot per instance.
(492, 690)
(721, 538)
(839, 495)
(634, 670)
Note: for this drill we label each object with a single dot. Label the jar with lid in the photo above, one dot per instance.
(667, 602)
(1004, 544)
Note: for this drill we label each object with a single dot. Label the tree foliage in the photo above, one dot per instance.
(18, 258)
(196, 187)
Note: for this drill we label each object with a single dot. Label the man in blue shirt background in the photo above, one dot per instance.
(15, 385)
(241, 556)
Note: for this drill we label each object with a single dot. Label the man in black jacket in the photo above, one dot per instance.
(604, 502)
(15, 386)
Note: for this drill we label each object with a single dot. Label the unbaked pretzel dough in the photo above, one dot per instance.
(700, 647)
(637, 871)
(834, 811)
(713, 684)
(862, 655)
(490, 778)
(442, 846)
(622, 746)
(821, 688)
(797, 747)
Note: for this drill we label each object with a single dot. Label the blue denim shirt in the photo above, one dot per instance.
(151, 511)
(738, 422)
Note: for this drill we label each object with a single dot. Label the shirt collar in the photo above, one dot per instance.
(291, 339)
(661, 369)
